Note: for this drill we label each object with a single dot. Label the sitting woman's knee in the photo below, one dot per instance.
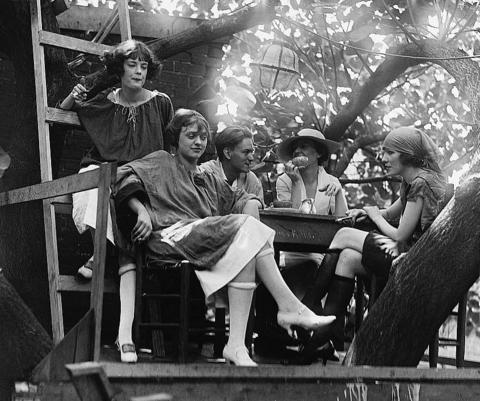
(341, 237)
(349, 263)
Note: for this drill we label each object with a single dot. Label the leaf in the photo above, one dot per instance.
(361, 32)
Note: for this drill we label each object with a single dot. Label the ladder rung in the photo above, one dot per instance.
(59, 116)
(69, 284)
(150, 325)
(68, 42)
(447, 342)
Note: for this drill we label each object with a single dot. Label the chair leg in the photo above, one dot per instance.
(359, 304)
(155, 315)
(461, 322)
(220, 333)
(250, 328)
(185, 272)
(138, 297)
(433, 351)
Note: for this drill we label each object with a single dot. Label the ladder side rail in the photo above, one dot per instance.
(46, 171)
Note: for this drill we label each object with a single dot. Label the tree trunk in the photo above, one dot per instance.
(24, 341)
(429, 280)
(423, 287)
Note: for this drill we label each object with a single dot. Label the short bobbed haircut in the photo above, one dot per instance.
(130, 49)
(185, 118)
(409, 160)
(230, 137)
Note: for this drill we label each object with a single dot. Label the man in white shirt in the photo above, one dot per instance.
(235, 151)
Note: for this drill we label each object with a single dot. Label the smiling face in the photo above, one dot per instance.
(192, 142)
(306, 147)
(240, 157)
(392, 162)
(134, 73)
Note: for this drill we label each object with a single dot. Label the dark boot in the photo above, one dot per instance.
(339, 295)
(320, 285)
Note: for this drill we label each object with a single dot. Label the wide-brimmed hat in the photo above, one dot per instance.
(286, 148)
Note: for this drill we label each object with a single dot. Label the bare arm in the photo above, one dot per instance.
(393, 211)
(78, 93)
(340, 203)
(290, 192)
(409, 220)
(143, 227)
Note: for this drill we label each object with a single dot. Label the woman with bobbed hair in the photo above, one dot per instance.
(180, 209)
(411, 154)
(124, 124)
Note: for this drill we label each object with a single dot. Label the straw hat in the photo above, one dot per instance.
(286, 148)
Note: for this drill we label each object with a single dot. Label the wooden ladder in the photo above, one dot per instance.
(45, 116)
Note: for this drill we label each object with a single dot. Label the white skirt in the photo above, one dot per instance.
(84, 209)
(249, 240)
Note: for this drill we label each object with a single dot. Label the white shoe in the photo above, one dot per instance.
(238, 356)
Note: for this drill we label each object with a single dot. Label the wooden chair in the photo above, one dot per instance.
(185, 290)
(459, 342)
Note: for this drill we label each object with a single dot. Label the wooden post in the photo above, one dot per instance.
(46, 170)
(124, 19)
(99, 254)
(185, 272)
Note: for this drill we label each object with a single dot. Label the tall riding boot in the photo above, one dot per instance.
(320, 285)
(339, 295)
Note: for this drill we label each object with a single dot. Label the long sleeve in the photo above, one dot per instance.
(284, 188)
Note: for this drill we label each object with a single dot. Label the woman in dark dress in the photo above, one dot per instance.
(412, 155)
(184, 210)
(124, 124)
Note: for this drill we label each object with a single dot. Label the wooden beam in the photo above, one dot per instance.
(68, 42)
(145, 25)
(59, 116)
(91, 382)
(70, 284)
(100, 254)
(316, 373)
(50, 189)
(124, 20)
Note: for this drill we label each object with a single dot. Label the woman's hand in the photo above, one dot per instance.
(331, 189)
(354, 215)
(79, 93)
(373, 212)
(143, 228)
(292, 171)
(251, 208)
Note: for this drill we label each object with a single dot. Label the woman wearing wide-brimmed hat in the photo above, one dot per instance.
(304, 180)
(305, 176)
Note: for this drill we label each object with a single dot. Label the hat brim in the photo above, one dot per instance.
(285, 148)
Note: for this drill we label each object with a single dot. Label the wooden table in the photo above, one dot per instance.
(301, 232)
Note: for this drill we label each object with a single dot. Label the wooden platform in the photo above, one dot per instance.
(273, 382)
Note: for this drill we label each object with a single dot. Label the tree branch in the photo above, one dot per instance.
(204, 33)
